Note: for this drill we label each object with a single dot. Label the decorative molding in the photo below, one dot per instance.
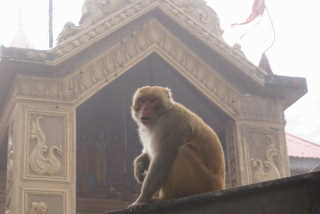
(148, 38)
(48, 145)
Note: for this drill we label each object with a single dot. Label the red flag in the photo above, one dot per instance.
(257, 10)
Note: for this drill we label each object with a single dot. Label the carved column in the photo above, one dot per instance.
(261, 140)
(41, 160)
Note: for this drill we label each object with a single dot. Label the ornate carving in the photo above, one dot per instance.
(150, 36)
(43, 158)
(39, 208)
(264, 170)
(263, 153)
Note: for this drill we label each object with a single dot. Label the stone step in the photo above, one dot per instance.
(293, 195)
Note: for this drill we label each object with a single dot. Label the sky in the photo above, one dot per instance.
(294, 51)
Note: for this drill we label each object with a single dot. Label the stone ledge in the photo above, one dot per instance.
(293, 195)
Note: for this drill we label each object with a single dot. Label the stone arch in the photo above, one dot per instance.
(152, 37)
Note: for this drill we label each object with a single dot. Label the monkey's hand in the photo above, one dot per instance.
(139, 172)
(141, 164)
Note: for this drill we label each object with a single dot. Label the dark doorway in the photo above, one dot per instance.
(107, 140)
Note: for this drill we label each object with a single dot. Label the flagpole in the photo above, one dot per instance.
(50, 24)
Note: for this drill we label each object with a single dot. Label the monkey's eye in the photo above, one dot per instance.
(142, 100)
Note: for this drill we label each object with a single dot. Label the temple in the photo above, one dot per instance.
(67, 140)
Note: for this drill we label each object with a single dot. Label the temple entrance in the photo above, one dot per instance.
(107, 140)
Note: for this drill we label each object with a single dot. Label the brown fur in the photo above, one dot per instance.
(182, 155)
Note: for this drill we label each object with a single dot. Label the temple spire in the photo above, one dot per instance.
(20, 39)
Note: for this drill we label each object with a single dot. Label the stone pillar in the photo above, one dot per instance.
(41, 160)
(261, 141)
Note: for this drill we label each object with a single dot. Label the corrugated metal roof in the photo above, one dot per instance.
(298, 147)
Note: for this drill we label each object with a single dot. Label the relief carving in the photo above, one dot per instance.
(102, 70)
(263, 153)
(264, 170)
(44, 159)
(39, 208)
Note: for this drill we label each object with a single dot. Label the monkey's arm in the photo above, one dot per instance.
(157, 174)
(141, 164)
(166, 144)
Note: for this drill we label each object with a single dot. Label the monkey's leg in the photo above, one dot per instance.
(188, 176)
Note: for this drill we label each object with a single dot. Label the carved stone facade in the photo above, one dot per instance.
(40, 161)
(263, 153)
(42, 99)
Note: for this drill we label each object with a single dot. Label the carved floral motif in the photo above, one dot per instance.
(44, 159)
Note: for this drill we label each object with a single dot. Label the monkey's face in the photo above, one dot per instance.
(148, 109)
(150, 103)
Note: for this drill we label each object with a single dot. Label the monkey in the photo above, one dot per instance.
(181, 154)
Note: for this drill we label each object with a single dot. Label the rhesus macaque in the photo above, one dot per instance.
(181, 154)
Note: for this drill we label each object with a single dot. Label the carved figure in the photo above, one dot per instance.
(266, 170)
(181, 154)
(43, 159)
(39, 208)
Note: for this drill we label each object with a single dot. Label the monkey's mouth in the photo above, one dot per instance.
(145, 120)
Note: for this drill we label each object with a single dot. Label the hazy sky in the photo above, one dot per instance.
(294, 53)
